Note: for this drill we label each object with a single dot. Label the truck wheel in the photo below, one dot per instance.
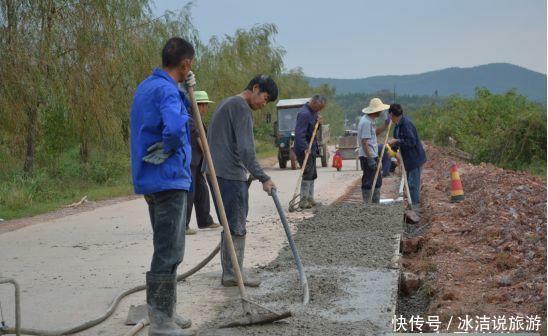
(293, 159)
(281, 161)
(325, 157)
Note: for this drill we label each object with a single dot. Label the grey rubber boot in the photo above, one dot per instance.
(311, 194)
(304, 203)
(376, 196)
(365, 195)
(180, 320)
(228, 278)
(161, 297)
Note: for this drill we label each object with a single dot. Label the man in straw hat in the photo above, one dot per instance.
(368, 151)
(199, 195)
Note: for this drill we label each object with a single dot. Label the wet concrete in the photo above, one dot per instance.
(347, 251)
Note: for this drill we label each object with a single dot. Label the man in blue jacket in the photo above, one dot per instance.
(407, 140)
(160, 162)
(306, 119)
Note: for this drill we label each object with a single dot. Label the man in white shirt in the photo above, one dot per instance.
(368, 151)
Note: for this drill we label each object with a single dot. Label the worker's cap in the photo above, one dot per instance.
(202, 97)
(375, 105)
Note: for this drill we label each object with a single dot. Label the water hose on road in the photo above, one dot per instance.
(110, 310)
(296, 256)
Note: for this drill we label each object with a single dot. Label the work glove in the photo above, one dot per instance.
(190, 80)
(371, 163)
(156, 154)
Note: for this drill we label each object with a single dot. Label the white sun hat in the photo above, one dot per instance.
(375, 105)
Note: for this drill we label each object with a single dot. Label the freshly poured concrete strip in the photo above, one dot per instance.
(348, 251)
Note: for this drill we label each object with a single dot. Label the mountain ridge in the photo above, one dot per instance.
(496, 77)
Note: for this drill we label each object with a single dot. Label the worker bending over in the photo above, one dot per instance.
(307, 117)
(230, 138)
(413, 155)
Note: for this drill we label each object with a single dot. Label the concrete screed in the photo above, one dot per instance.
(70, 268)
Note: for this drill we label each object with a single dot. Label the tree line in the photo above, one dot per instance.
(68, 71)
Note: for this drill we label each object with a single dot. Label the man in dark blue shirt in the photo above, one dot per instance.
(413, 155)
(306, 119)
(160, 165)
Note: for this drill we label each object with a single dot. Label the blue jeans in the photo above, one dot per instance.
(167, 210)
(414, 181)
(235, 200)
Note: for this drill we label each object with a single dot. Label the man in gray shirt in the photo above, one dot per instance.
(232, 146)
(368, 151)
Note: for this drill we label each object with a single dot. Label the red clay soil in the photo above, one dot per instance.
(486, 254)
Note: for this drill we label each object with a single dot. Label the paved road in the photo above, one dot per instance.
(70, 268)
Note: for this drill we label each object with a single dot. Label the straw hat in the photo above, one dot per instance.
(202, 97)
(375, 105)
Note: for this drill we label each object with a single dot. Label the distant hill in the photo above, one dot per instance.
(496, 77)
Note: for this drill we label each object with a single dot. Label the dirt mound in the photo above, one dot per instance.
(487, 254)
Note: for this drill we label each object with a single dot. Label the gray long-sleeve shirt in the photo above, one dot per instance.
(230, 138)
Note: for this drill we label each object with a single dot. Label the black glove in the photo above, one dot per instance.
(371, 163)
(156, 154)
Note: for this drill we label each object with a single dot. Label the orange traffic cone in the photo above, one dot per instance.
(457, 194)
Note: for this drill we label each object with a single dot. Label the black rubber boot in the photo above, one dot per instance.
(228, 278)
(161, 297)
(365, 195)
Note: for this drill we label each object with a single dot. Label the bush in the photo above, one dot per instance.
(507, 129)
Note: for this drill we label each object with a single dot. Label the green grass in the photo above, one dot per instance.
(22, 203)
(54, 187)
(265, 149)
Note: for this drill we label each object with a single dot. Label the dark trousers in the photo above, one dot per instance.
(369, 175)
(167, 210)
(235, 198)
(310, 173)
(199, 198)
(386, 162)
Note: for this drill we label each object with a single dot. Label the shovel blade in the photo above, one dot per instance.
(251, 319)
(136, 314)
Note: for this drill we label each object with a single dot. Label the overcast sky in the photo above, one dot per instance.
(354, 39)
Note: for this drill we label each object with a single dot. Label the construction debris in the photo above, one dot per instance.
(487, 254)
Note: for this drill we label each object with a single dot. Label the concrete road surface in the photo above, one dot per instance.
(70, 268)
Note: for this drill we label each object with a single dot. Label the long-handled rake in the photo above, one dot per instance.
(254, 313)
(294, 202)
(379, 163)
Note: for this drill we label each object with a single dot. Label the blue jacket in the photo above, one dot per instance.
(159, 113)
(306, 119)
(410, 144)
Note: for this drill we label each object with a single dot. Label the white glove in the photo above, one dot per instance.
(190, 80)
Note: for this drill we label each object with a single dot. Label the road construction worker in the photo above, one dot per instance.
(199, 195)
(413, 155)
(368, 149)
(307, 117)
(160, 162)
(232, 148)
